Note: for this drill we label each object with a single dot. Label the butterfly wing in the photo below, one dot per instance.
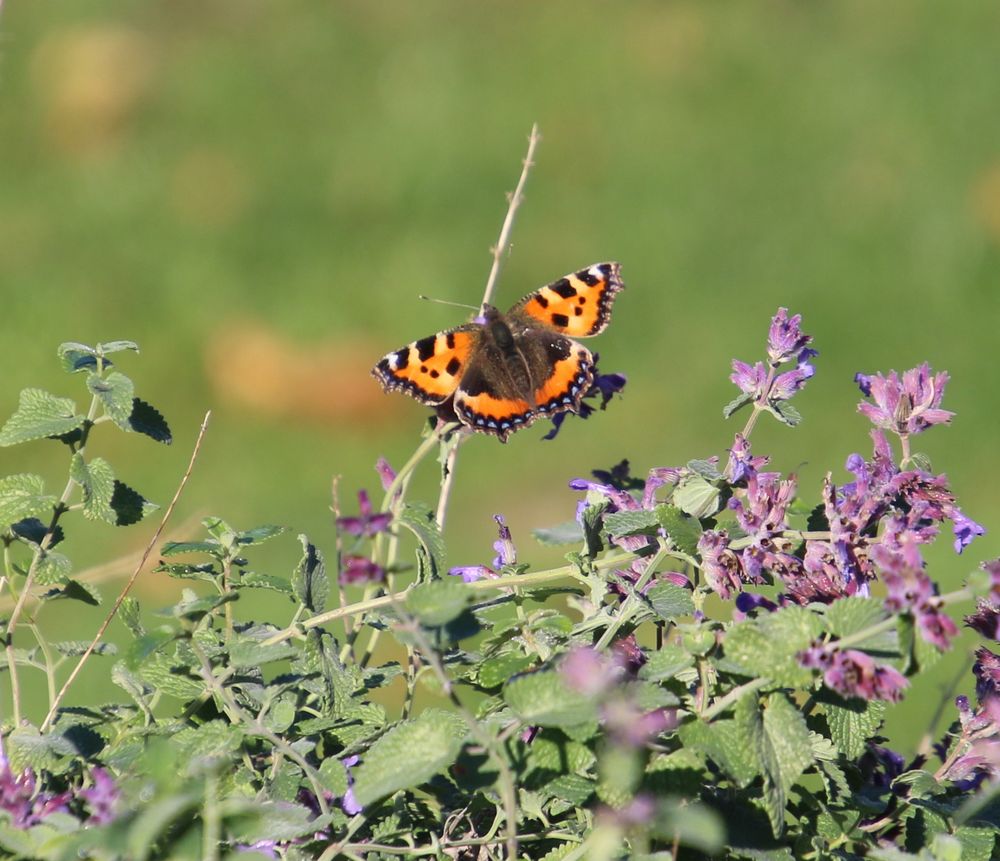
(578, 305)
(562, 371)
(429, 369)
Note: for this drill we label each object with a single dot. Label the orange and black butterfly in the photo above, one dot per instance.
(509, 369)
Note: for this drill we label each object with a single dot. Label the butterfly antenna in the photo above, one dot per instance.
(446, 302)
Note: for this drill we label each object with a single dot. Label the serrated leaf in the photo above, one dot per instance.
(737, 403)
(205, 572)
(76, 357)
(421, 521)
(129, 505)
(277, 821)
(153, 820)
(790, 738)
(733, 750)
(543, 698)
(921, 461)
(52, 568)
(147, 420)
(697, 497)
(852, 722)
(255, 580)
(847, 616)
(39, 415)
(128, 613)
(493, 672)
(977, 843)
(260, 534)
(23, 496)
(630, 522)
(683, 531)
(249, 652)
(785, 413)
(565, 533)
(438, 602)
(409, 754)
(665, 663)
(767, 646)
(333, 775)
(97, 480)
(669, 600)
(33, 530)
(115, 392)
(146, 645)
(309, 581)
(76, 590)
(173, 548)
(75, 648)
(27, 748)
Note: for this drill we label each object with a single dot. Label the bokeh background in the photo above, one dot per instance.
(257, 192)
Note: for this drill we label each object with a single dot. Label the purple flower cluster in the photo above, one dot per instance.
(906, 406)
(975, 754)
(356, 568)
(27, 804)
(854, 674)
(760, 382)
(604, 386)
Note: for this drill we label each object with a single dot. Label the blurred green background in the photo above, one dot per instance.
(257, 192)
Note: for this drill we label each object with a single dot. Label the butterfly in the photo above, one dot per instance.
(501, 372)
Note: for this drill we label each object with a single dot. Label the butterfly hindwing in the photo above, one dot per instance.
(429, 369)
(578, 305)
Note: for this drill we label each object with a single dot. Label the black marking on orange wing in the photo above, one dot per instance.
(578, 305)
(429, 369)
(569, 379)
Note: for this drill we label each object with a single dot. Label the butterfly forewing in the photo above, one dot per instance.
(429, 369)
(578, 305)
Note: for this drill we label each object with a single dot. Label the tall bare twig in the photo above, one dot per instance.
(131, 580)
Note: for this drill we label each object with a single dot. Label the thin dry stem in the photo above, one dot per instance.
(131, 580)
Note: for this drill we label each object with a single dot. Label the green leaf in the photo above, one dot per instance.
(309, 581)
(420, 520)
(767, 646)
(76, 590)
(789, 736)
(734, 748)
(76, 357)
(848, 616)
(977, 842)
(438, 602)
(689, 824)
(276, 820)
(23, 496)
(129, 505)
(260, 534)
(784, 412)
(128, 613)
(154, 819)
(740, 401)
(683, 531)
(147, 420)
(173, 548)
(665, 663)
(115, 392)
(760, 744)
(333, 775)
(630, 522)
(39, 415)
(569, 532)
(249, 652)
(669, 600)
(108, 347)
(409, 754)
(255, 580)
(52, 568)
(97, 480)
(852, 721)
(75, 648)
(543, 698)
(697, 497)
(493, 672)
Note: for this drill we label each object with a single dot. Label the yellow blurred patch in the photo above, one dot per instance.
(254, 368)
(90, 82)
(986, 201)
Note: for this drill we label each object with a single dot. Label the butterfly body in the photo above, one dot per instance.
(508, 370)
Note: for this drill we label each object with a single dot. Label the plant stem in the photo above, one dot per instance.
(131, 580)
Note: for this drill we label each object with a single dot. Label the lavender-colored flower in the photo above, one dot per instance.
(360, 569)
(747, 602)
(986, 619)
(906, 406)
(589, 672)
(742, 464)
(504, 545)
(349, 803)
(630, 726)
(719, 564)
(102, 799)
(911, 590)
(750, 379)
(369, 523)
(785, 341)
(21, 798)
(788, 383)
(880, 766)
(852, 673)
(987, 671)
(965, 529)
(386, 474)
(472, 573)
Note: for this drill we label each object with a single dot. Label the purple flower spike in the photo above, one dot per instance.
(504, 545)
(604, 386)
(986, 619)
(386, 474)
(102, 798)
(785, 340)
(787, 384)
(751, 379)
(906, 406)
(855, 674)
(472, 573)
(369, 523)
(360, 569)
(589, 672)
